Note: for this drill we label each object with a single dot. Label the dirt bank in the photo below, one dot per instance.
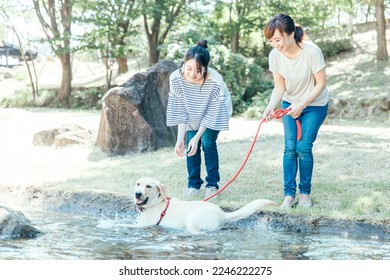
(112, 205)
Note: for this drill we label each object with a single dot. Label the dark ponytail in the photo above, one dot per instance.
(299, 34)
(285, 24)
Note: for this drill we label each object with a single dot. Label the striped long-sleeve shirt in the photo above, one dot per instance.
(208, 105)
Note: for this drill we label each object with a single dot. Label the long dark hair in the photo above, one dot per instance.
(201, 56)
(285, 24)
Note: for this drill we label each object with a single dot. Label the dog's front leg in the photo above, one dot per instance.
(193, 228)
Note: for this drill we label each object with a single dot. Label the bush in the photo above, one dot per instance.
(20, 99)
(333, 47)
(81, 98)
(87, 98)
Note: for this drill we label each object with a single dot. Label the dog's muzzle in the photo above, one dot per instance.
(138, 199)
(138, 195)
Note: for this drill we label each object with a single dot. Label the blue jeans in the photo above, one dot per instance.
(298, 154)
(208, 142)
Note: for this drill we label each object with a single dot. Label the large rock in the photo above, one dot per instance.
(14, 224)
(62, 136)
(133, 117)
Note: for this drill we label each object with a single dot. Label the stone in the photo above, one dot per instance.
(63, 136)
(133, 116)
(7, 75)
(384, 103)
(73, 138)
(44, 138)
(14, 224)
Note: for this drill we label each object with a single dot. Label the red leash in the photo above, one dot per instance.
(277, 115)
(281, 112)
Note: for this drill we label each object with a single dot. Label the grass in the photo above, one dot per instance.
(369, 79)
(351, 177)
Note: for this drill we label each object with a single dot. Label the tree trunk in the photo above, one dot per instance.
(122, 65)
(25, 60)
(153, 51)
(161, 12)
(54, 14)
(350, 24)
(65, 90)
(235, 41)
(381, 30)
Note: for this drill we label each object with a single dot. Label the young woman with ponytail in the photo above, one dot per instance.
(298, 69)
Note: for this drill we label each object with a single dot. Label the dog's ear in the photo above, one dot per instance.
(161, 189)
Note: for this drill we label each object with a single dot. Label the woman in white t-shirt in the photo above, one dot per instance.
(298, 69)
(200, 105)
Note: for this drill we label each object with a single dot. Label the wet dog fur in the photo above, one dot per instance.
(195, 216)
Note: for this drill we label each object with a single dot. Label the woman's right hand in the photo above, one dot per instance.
(268, 114)
(179, 148)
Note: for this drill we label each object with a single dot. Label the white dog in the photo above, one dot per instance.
(155, 208)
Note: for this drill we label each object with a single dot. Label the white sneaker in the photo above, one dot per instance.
(287, 202)
(304, 201)
(210, 191)
(192, 192)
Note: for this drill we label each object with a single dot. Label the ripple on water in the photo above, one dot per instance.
(70, 236)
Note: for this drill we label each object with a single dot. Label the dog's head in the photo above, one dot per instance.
(148, 192)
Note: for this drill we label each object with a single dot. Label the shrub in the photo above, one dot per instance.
(333, 47)
(21, 98)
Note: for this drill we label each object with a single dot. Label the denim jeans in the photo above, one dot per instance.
(208, 142)
(298, 155)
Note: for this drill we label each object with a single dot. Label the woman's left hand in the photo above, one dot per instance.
(295, 110)
(192, 146)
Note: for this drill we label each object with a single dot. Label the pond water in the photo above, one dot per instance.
(78, 237)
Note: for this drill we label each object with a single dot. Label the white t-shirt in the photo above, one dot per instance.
(298, 73)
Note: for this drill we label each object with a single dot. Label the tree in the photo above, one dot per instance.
(243, 16)
(30, 69)
(109, 25)
(55, 17)
(381, 30)
(158, 17)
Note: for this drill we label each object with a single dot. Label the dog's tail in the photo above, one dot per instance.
(249, 209)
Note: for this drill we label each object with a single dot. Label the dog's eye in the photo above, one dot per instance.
(137, 184)
(149, 186)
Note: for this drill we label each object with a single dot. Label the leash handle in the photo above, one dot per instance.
(279, 113)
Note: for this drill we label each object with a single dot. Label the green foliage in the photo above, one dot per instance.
(20, 99)
(243, 77)
(24, 98)
(333, 47)
(87, 98)
(82, 98)
(109, 25)
(259, 101)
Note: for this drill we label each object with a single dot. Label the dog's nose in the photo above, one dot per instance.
(138, 194)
